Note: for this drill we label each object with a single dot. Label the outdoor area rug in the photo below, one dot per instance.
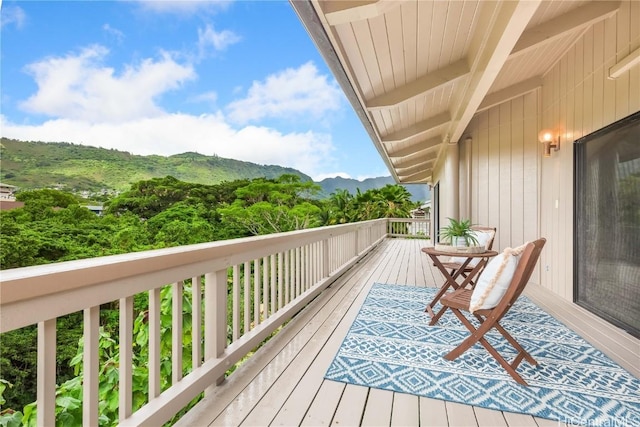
(390, 346)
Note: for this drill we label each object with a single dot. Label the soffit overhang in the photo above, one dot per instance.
(417, 71)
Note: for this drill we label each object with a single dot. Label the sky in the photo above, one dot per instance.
(236, 79)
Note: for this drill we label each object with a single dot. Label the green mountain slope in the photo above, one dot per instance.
(82, 168)
(76, 168)
(419, 192)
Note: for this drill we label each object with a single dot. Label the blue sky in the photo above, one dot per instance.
(239, 79)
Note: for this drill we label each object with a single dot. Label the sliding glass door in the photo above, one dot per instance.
(607, 223)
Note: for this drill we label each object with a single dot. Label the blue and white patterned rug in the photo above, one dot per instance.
(390, 346)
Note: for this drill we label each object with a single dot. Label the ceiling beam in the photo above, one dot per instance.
(414, 161)
(417, 147)
(509, 93)
(549, 31)
(625, 64)
(504, 25)
(343, 12)
(420, 86)
(419, 128)
(423, 176)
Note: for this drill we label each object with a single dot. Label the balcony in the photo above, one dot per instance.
(310, 282)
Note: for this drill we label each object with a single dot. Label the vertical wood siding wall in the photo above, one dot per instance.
(501, 169)
(511, 185)
(578, 98)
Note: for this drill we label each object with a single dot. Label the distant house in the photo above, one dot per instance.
(98, 209)
(7, 192)
(423, 212)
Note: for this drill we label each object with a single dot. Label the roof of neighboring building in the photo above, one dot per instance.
(6, 205)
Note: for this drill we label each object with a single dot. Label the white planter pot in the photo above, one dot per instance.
(459, 241)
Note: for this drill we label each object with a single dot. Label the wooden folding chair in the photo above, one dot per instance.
(455, 266)
(459, 300)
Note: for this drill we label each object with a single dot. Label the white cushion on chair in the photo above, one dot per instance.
(483, 238)
(493, 282)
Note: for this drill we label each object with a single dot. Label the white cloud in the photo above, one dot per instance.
(308, 152)
(210, 38)
(209, 98)
(12, 15)
(93, 104)
(292, 93)
(80, 87)
(117, 34)
(184, 7)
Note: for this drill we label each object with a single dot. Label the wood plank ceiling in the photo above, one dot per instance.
(416, 71)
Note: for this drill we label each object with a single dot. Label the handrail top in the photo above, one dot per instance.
(27, 282)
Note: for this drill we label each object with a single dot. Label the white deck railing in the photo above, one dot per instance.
(263, 280)
(408, 227)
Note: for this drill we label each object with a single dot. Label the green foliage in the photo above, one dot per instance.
(272, 206)
(47, 197)
(18, 363)
(386, 202)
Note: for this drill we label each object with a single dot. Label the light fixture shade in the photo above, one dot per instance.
(545, 135)
(549, 140)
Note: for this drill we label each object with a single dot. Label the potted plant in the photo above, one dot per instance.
(458, 233)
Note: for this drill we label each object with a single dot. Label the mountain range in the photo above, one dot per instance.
(80, 168)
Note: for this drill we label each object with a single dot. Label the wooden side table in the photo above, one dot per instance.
(451, 281)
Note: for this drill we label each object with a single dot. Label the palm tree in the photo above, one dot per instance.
(341, 206)
(396, 200)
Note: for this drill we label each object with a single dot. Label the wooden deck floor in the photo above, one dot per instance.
(283, 383)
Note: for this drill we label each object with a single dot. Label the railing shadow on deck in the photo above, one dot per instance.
(239, 291)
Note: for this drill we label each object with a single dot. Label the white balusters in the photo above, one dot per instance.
(247, 297)
(46, 412)
(126, 358)
(235, 311)
(176, 332)
(154, 342)
(90, 366)
(196, 322)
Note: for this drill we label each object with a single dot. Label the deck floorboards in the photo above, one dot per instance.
(284, 385)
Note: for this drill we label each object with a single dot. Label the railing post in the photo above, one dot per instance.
(46, 393)
(90, 362)
(215, 313)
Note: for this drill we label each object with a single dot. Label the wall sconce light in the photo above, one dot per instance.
(548, 138)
